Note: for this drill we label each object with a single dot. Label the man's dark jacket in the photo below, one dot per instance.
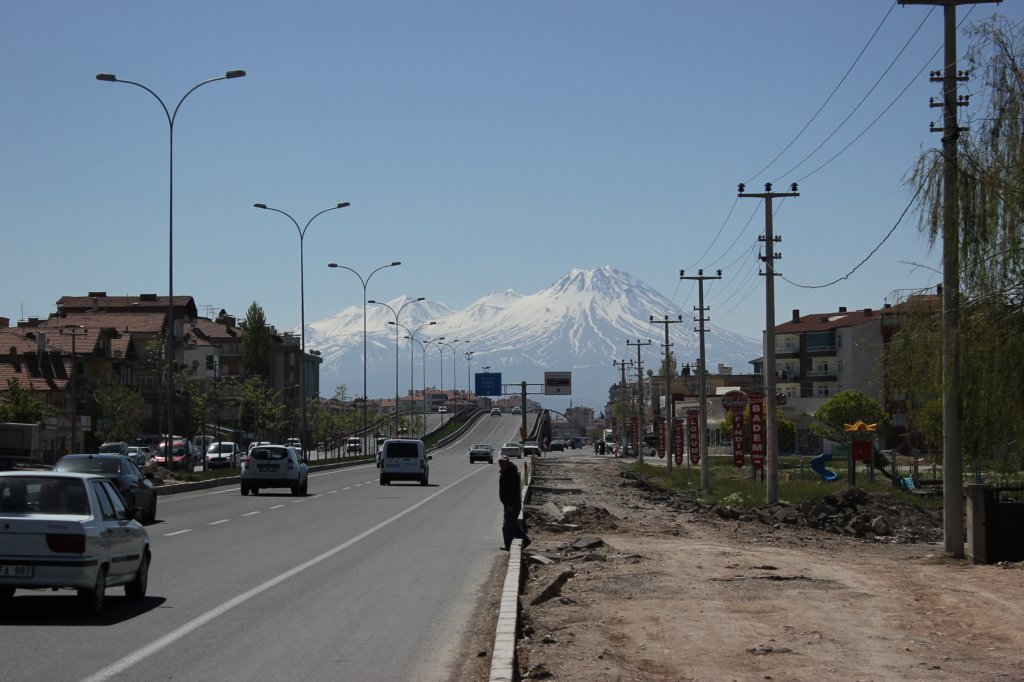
(508, 487)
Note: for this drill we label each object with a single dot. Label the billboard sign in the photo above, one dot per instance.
(557, 383)
(488, 383)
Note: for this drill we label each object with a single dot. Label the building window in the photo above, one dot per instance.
(839, 365)
(839, 340)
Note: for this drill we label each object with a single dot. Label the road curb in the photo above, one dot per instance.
(503, 654)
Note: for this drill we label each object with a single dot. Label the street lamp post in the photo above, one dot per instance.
(396, 313)
(364, 282)
(439, 340)
(171, 117)
(411, 335)
(302, 305)
(469, 358)
(75, 330)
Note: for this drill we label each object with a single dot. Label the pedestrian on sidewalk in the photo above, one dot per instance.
(510, 494)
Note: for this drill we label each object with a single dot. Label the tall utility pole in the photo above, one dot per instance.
(952, 463)
(670, 405)
(640, 394)
(622, 364)
(769, 239)
(705, 469)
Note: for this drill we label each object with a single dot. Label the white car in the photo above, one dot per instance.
(404, 459)
(482, 451)
(222, 454)
(140, 454)
(274, 466)
(55, 533)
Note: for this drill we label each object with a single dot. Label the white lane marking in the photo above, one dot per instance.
(199, 621)
(251, 513)
(177, 532)
(216, 523)
(332, 492)
(277, 506)
(297, 501)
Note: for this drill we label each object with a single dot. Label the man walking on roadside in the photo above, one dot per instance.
(509, 492)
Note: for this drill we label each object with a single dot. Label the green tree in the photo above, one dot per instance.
(120, 410)
(341, 393)
(259, 407)
(257, 345)
(20, 405)
(847, 407)
(990, 218)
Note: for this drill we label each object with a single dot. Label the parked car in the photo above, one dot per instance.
(354, 444)
(512, 450)
(481, 451)
(140, 454)
(222, 454)
(179, 456)
(404, 459)
(55, 533)
(532, 449)
(495, 411)
(114, 448)
(135, 487)
(274, 466)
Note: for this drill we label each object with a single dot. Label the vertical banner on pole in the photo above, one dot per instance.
(659, 426)
(677, 439)
(735, 401)
(757, 434)
(634, 435)
(693, 429)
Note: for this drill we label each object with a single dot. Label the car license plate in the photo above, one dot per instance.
(7, 571)
(268, 467)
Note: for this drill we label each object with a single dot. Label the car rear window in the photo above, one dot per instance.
(89, 465)
(404, 450)
(45, 495)
(272, 454)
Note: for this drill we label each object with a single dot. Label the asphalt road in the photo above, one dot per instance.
(353, 581)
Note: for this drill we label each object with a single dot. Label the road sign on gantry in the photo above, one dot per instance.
(488, 383)
(557, 383)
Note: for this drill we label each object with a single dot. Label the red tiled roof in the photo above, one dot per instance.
(121, 303)
(818, 322)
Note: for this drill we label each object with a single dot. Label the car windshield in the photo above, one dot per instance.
(221, 447)
(89, 465)
(43, 495)
(269, 453)
(111, 447)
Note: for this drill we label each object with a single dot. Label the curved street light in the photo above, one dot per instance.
(455, 356)
(364, 282)
(171, 117)
(411, 335)
(302, 305)
(396, 313)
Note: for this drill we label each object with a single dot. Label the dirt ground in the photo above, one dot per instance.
(669, 592)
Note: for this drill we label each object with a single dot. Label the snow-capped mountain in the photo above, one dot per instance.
(579, 324)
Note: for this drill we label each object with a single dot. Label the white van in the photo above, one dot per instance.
(404, 459)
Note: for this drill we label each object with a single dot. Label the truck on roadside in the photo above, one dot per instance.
(19, 444)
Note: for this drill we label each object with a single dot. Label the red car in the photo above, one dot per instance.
(180, 455)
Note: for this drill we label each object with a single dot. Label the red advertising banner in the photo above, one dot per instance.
(693, 430)
(737, 438)
(757, 434)
(659, 427)
(862, 451)
(634, 434)
(678, 446)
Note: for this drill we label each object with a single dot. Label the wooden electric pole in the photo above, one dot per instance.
(705, 469)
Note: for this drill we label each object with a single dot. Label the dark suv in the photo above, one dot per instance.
(135, 487)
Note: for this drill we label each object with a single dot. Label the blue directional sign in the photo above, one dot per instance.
(488, 383)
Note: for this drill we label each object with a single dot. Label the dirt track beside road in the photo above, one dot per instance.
(671, 594)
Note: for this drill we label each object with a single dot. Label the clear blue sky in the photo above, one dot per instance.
(486, 145)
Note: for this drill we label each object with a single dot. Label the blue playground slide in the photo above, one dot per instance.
(818, 464)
